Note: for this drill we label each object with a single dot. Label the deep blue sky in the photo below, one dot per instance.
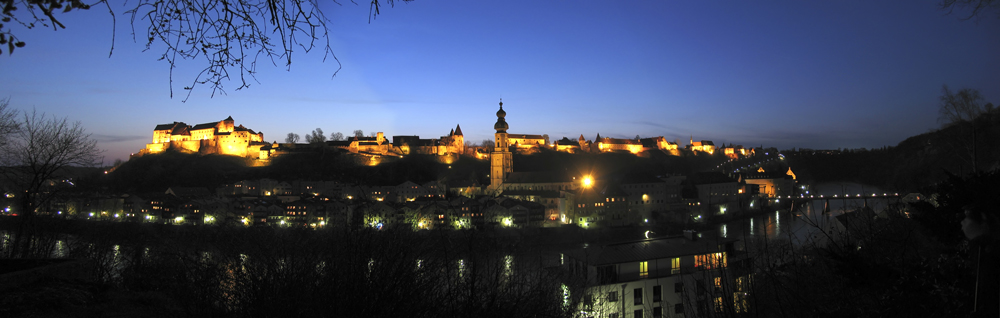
(817, 74)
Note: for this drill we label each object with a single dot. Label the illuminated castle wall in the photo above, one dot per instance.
(221, 137)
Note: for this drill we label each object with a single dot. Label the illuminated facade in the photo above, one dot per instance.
(522, 141)
(735, 152)
(501, 161)
(452, 144)
(608, 144)
(221, 137)
(702, 146)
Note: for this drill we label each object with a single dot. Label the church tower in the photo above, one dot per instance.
(501, 162)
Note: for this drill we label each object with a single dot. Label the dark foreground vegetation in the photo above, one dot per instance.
(171, 271)
(909, 260)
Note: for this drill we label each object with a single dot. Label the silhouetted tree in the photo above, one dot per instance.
(292, 138)
(316, 136)
(978, 7)
(337, 136)
(964, 108)
(359, 133)
(35, 149)
(38, 147)
(488, 143)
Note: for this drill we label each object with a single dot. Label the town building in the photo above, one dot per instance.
(706, 146)
(661, 277)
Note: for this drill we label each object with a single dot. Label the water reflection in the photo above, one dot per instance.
(802, 225)
(60, 250)
(508, 265)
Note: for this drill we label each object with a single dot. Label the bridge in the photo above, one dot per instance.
(811, 197)
(826, 199)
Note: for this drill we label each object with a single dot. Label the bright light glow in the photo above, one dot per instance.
(507, 222)
(91, 213)
(179, 219)
(588, 181)
(116, 214)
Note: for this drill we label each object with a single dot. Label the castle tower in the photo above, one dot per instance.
(501, 162)
(226, 125)
(458, 139)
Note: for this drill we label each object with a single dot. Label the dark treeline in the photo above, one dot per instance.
(160, 171)
(263, 272)
(914, 163)
(622, 163)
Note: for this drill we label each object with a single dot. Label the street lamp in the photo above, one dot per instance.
(588, 181)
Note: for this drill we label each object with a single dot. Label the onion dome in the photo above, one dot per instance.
(501, 125)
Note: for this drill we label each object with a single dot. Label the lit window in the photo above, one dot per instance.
(675, 265)
(710, 261)
(740, 302)
(643, 269)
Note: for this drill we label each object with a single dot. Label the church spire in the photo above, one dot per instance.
(501, 125)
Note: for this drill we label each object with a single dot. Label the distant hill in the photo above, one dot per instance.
(160, 171)
(914, 163)
(157, 172)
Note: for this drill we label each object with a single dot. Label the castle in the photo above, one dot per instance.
(224, 137)
(220, 137)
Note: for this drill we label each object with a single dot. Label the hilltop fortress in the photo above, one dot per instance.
(220, 137)
(224, 137)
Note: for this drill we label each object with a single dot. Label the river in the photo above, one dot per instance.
(802, 225)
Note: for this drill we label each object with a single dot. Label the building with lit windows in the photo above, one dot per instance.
(664, 277)
(706, 146)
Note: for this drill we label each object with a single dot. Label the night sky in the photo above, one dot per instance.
(814, 74)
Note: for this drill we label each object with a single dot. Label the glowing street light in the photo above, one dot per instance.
(588, 181)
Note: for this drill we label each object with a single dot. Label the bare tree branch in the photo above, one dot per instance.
(230, 36)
